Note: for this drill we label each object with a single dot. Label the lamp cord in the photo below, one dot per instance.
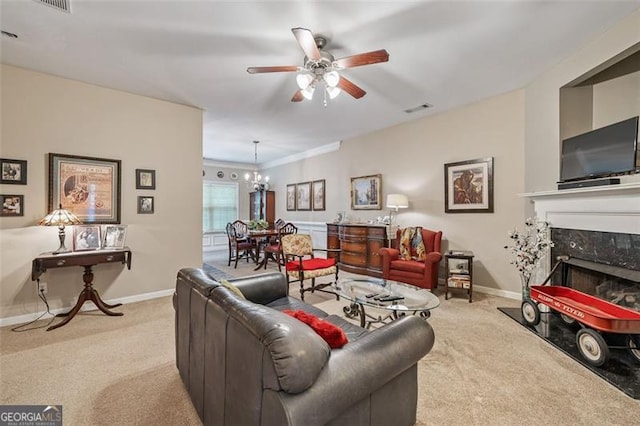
(20, 328)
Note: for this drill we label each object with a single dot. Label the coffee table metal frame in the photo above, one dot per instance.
(414, 300)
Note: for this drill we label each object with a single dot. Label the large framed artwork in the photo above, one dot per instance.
(365, 192)
(317, 188)
(291, 197)
(468, 186)
(87, 186)
(303, 196)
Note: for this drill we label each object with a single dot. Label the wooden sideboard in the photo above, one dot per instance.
(359, 246)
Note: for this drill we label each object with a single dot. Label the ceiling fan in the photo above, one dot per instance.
(320, 67)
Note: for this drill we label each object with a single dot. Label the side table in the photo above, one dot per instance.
(86, 259)
(458, 267)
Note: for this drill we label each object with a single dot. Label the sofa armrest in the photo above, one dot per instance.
(355, 371)
(262, 288)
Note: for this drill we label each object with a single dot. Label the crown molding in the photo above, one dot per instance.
(324, 149)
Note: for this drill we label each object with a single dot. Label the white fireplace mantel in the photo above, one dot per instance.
(614, 208)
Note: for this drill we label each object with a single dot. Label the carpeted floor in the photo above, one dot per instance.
(484, 369)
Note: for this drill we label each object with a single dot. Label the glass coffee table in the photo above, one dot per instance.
(397, 298)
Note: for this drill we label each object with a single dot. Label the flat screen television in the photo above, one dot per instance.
(606, 151)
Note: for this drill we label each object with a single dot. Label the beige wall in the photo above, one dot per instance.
(542, 137)
(42, 114)
(616, 100)
(411, 159)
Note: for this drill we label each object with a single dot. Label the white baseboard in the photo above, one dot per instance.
(495, 292)
(88, 306)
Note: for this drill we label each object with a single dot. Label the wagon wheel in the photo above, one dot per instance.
(530, 312)
(592, 346)
(567, 319)
(633, 341)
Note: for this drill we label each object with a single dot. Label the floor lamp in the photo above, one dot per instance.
(395, 202)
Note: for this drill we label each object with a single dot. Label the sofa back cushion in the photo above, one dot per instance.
(297, 354)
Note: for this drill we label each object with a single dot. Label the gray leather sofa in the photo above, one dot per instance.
(243, 362)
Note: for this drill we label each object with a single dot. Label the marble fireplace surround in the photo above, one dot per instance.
(609, 209)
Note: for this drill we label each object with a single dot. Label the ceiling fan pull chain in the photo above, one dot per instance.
(325, 98)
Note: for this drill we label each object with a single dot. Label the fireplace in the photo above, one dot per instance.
(602, 264)
(599, 229)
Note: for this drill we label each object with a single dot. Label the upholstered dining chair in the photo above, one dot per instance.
(274, 250)
(301, 264)
(240, 245)
(415, 259)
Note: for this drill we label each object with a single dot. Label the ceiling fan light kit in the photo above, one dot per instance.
(321, 67)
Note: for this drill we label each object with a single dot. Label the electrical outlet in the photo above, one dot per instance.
(42, 287)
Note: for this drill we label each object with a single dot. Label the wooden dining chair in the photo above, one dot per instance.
(274, 250)
(240, 245)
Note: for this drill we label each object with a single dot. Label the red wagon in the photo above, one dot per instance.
(595, 316)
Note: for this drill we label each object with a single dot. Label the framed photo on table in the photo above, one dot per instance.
(86, 237)
(365, 192)
(114, 236)
(468, 186)
(317, 189)
(291, 197)
(303, 196)
(87, 186)
(13, 171)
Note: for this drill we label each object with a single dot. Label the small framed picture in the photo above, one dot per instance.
(145, 205)
(145, 179)
(86, 237)
(340, 217)
(13, 171)
(114, 236)
(12, 205)
(318, 194)
(303, 197)
(291, 197)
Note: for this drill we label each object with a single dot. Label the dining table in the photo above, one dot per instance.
(262, 237)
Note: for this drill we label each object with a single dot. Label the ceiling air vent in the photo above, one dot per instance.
(418, 108)
(61, 5)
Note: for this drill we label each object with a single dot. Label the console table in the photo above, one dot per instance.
(86, 259)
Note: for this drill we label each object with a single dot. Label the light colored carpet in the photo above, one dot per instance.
(484, 369)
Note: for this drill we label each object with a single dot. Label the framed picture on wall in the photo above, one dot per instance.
(303, 196)
(146, 179)
(12, 205)
(291, 197)
(317, 189)
(365, 192)
(13, 171)
(87, 186)
(468, 186)
(146, 205)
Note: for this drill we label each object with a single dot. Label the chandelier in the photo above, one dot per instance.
(257, 184)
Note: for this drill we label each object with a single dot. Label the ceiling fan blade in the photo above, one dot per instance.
(351, 88)
(297, 97)
(362, 59)
(307, 42)
(283, 68)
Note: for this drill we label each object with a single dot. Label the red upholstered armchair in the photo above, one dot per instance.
(419, 273)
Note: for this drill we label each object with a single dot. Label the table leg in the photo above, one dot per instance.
(87, 294)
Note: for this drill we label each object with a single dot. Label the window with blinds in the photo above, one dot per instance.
(219, 206)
